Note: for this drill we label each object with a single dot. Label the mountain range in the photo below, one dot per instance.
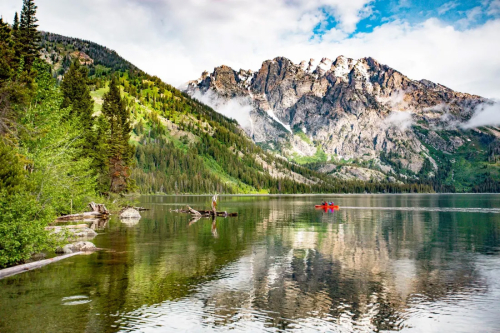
(358, 119)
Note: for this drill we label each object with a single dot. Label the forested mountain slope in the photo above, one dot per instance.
(184, 146)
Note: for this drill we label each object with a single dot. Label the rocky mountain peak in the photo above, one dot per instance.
(348, 108)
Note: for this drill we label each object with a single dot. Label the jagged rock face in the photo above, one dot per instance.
(351, 108)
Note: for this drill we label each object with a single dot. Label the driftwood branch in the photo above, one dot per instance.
(204, 213)
(100, 208)
(193, 212)
(33, 265)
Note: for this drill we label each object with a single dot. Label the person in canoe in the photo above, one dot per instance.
(324, 203)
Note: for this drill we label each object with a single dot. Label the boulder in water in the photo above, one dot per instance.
(76, 247)
(130, 213)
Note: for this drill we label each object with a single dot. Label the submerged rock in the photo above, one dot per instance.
(86, 232)
(130, 221)
(130, 213)
(80, 231)
(76, 247)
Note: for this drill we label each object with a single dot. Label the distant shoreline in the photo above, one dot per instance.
(308, 195)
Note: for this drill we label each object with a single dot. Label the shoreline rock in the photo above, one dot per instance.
(80, 231)
(130, 213)
(77, 247)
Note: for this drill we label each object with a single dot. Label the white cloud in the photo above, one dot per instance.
(396, 101)
(177, 41)
(400, 119)
(447, 7)
(494, 8)
(471, 17)
(486, 114)
(236, 108)
(349, 12)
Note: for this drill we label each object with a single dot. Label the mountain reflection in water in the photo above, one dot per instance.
(428, 265)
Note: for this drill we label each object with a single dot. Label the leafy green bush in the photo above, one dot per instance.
(12, 175)
(22, 228)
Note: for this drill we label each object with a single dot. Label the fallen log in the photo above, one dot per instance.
(78, 226)
(33, 265)
(204, 213)
(209, 212)
(99, 211)
(82, 216)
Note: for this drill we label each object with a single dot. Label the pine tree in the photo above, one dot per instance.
(119, 151)
(6, 52)
(28, 33)
(76, 95)
(15, 25)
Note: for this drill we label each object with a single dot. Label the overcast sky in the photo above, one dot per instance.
(455, 43)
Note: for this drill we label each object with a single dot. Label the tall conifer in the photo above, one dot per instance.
(28, 33)
(76, 94)
(6, 52)
(119, 151)
(15, 25)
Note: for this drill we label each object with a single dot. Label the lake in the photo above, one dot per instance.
(411, 263)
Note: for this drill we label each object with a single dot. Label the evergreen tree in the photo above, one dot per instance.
(6, 52)
(28, 33)
(13, 80)
(15, 25)
(119, 151)
(76, 94)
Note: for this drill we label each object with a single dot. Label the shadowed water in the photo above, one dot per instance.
(416, 263)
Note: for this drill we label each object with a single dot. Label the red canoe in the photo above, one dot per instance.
(326, 207)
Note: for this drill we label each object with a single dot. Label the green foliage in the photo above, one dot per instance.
(43, 170)
(302, 135)
(29, 35)
(22, 227)
(319, 156)
(76, 96)
(470, 168)
(116, 133)
(6, 52)
(12, 175)
(76, 93)
(52, 146)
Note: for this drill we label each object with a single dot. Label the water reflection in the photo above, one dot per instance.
(280, 265)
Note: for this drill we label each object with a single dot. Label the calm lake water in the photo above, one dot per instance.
(416, 263)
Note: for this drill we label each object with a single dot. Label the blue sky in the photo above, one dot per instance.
(460, 14)
(455, 43)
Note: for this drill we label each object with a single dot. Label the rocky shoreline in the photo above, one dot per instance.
(77, 237)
